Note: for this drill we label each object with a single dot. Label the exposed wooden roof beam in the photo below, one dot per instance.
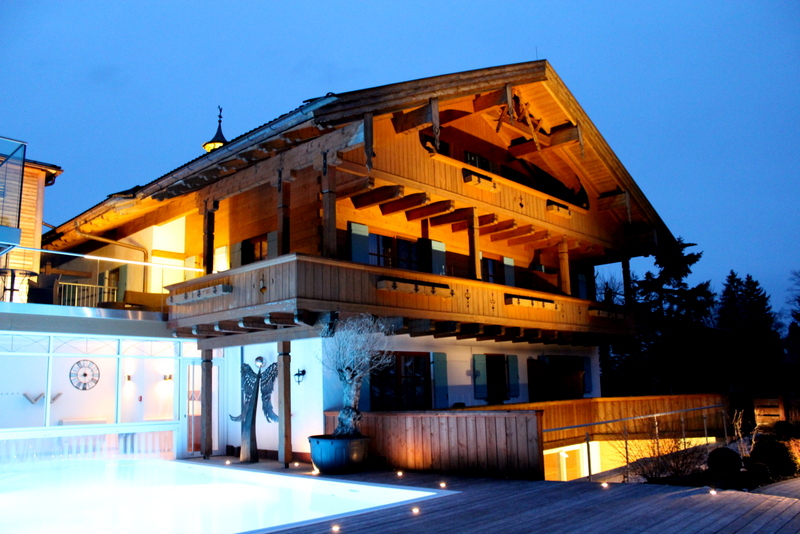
(536, 236)
(430, 210)
(405, 203)
(508, 224)
(544, 243)
(230, 327)
(420, 327)
(461, 214)
(516, 232)
(349, 185)
(559, 137)
(421, 118)
(483, 220)
(490, 332)
(377, 196)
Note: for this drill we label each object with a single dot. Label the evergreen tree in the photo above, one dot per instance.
(752, 342)
(671, 350)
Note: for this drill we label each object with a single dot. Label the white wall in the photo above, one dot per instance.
(307, 403)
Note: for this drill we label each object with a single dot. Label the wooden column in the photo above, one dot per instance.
(206, 407)
(328, 210)
(209, 211)
(284, 201)
(474, 247)
(626, 281)
(285, 403)
(563, 266)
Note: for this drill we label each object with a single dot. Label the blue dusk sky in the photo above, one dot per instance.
(700, 100)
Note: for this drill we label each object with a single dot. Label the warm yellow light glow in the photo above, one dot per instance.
(227, 462)
(713, 492)
(399, 473)
(315, 472)
(167, 377)
(604, 484)
(415, 510)
(212, 145)
(442, 485)
(335, 528)
(296, 464)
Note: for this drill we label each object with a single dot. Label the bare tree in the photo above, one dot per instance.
(353, 349)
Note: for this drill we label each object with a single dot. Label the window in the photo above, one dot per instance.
(495, 377)
(481, 162)
(404, 386)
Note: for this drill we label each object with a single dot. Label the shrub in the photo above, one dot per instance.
(775, 455)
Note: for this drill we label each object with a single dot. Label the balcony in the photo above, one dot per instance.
(297, 290)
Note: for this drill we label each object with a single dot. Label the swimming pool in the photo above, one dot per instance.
(154, 496)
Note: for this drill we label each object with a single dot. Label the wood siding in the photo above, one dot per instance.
(314, 283)
(560, 414)
(508, 444)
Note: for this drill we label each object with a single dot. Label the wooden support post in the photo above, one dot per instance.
(284, 201)
(626, 281)
(474, 247)
(206, 407)
(328, 209)
(208, 235)
(563, 266)
(285, 403)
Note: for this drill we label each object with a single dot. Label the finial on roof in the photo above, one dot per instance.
(219, 139)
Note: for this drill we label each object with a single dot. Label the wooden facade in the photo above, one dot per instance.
(510, 440)
(468, 210)
(494, 183)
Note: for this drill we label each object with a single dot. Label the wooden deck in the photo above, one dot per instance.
(508, 506)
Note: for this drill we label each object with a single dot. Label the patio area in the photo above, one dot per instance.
(494, 505)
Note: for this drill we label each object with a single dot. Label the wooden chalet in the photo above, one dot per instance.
(468, 209)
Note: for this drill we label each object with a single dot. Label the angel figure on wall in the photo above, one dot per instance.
(250, 384)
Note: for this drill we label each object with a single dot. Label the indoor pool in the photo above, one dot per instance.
(149, 496)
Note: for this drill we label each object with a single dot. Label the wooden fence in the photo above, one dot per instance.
(510, 440)
(497, 443)
(571, 413)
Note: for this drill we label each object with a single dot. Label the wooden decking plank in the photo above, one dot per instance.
(784, 518)
(743, 520)
(724, 514)
(792, 526)
(758, 523)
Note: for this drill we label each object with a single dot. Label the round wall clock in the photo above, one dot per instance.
(84, 374)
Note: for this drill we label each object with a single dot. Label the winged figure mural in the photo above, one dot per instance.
(251, 382)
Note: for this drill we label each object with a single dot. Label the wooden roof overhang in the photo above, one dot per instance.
(563, 137)
(297, 296)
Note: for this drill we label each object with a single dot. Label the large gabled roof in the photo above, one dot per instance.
(535, 81)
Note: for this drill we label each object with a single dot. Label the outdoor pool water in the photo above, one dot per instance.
(154, 496)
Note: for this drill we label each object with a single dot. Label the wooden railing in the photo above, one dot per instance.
(510, 440)
(590, 412)
(497, 443)
(316, 283)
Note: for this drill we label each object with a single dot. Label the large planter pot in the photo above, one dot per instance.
(332, 455)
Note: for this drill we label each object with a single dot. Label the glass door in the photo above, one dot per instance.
(191, 411)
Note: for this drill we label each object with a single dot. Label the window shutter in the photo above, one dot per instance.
(359, 242)
(272, 245)
(508, 268)
(479, 376)
(440, 397)
(513, 375)
(438, 258)
(588, 386)
(122, 285)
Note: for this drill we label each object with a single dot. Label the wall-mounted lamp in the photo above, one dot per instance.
(300, 375)
(167, 377)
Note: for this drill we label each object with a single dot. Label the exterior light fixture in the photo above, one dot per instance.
(260, 362)
(127, 378)
(299, 376)
(399, 473)
(415, 511)
(604, 484)
(713, 492)
(218, 140)
(442, 484)
(167, 377)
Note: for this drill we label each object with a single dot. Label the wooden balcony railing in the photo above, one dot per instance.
(314, 283)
